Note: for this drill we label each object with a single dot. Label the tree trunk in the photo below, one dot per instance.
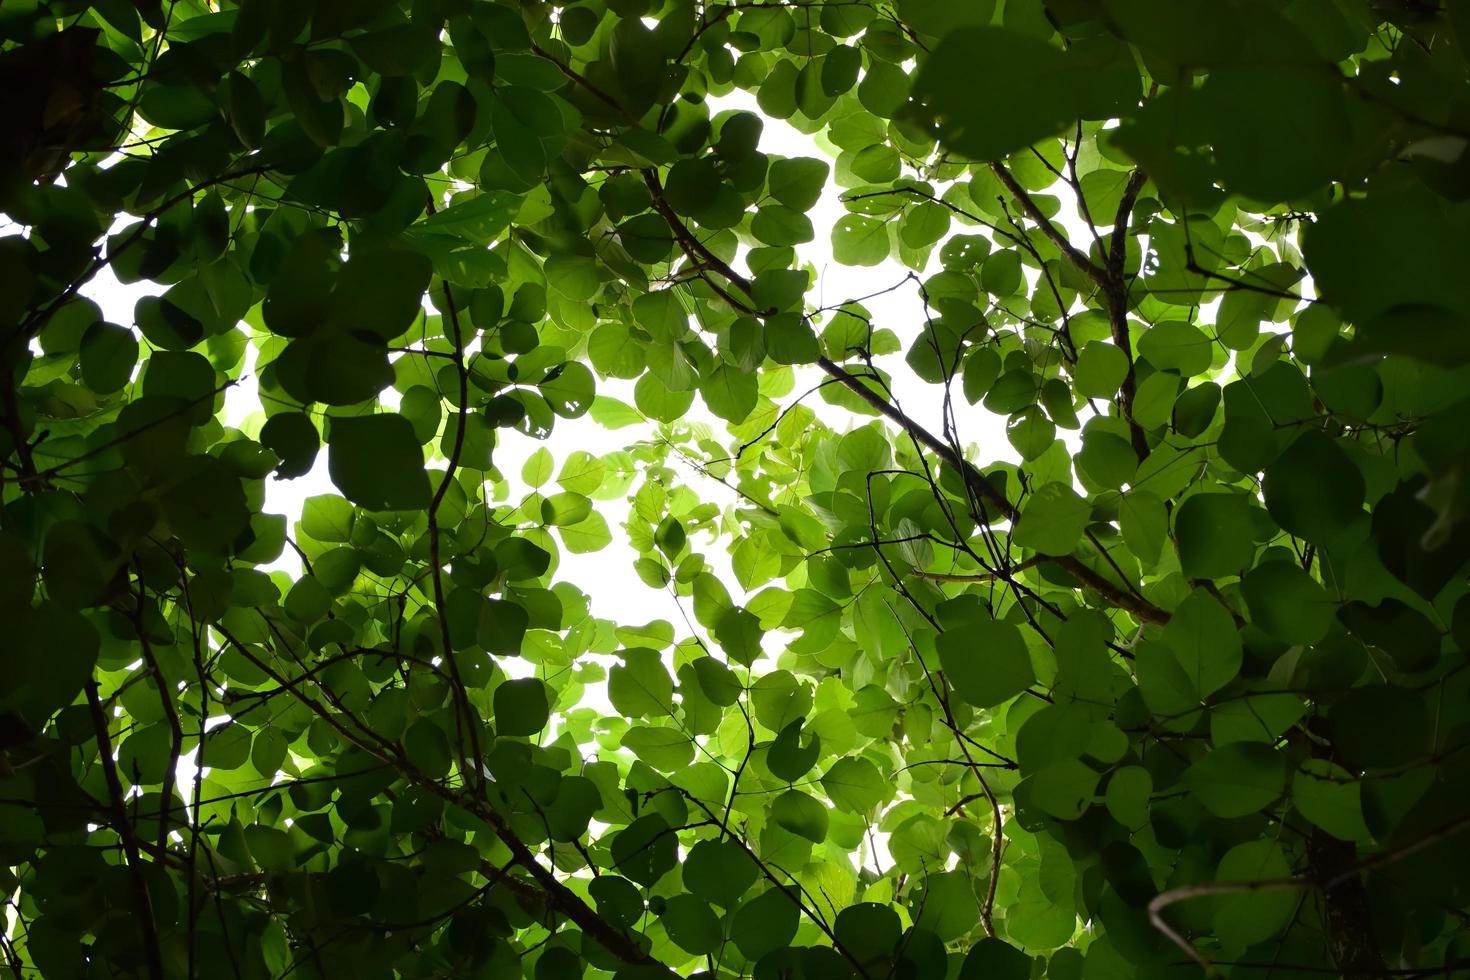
(1349, 923)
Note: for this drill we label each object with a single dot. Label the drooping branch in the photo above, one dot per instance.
(1110, 279)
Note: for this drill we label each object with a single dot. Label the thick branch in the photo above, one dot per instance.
(695, 249)
(1116, 290)
(1051, 231)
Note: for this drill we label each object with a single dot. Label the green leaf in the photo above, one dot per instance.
(566, 508)
(480, 219)
(729, 393)
(646, 850)
(720, 871)
(1100, 370)
(1103, 192)
(854, 785)
(994, 60)
(765, 923)
(1278, 131)
(108, 355)
(779, 225)
(397, 50)
(1064, 789)
(692, 924)
(799, 813)
(868, 931)
(1175, 345)
(1379, 726)
(1238, 779)
(1253, 916)
(1052, 520)
(569, 389)
(986, 661)
(521, 707)
(327, 518)
(860, 241)
(1330, 797)
(790, 340)
(717, 681)
(1287, 603)
(1383, 290)
(787, 758)
(1127, 796)
(1202, 637)
(1144, 523)
(1313, 489)
(292, 437)
(502, 627)
(640, 687)
(381, 290)
(1214, 531)
(377, 462)
(994, 959)
(798, 183)
(739, 634)
(226, 748)
(427, 748)
(666, 749)
(1000, 275)
(582, 473)
(537, 468)
(574, 277)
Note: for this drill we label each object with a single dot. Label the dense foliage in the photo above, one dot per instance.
(1183, 690)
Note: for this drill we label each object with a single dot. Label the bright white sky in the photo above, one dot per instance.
(606, 576)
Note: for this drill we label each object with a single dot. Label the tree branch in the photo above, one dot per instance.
(124, 827)
(1051, 231)
(1116, 290)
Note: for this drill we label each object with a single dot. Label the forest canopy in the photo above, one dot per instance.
(1085, 597)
